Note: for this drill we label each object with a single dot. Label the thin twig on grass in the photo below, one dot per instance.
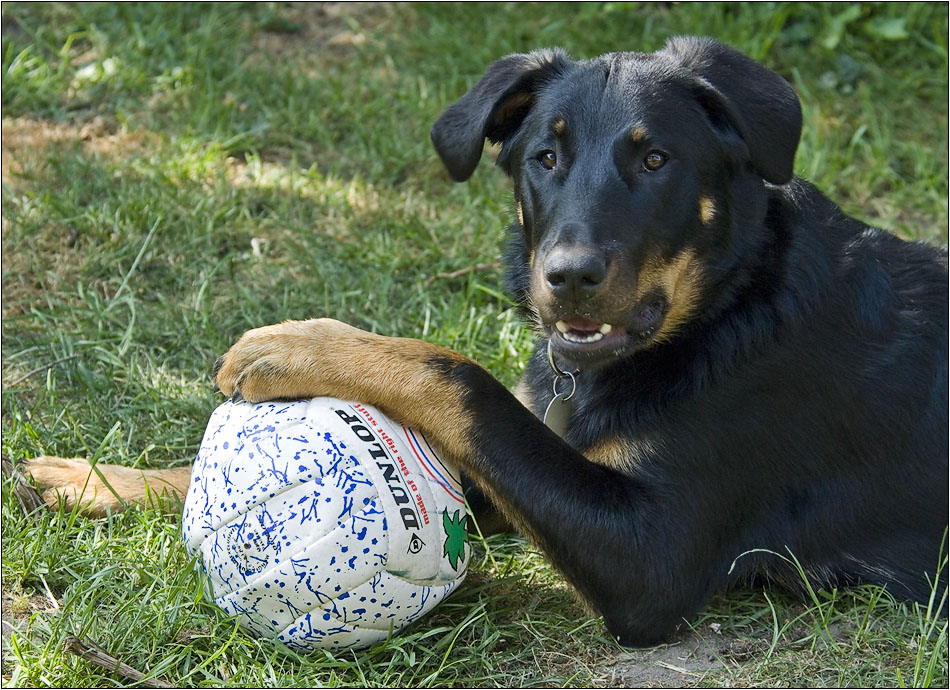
(95, 654)
(462, 271)
(45, 367)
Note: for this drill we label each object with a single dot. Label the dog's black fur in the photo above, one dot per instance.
(774, 385)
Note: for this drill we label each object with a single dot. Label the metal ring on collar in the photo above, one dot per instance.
(560, 375)
(558, 379)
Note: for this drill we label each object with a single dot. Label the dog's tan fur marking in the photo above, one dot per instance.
(74, 481)
(637, 135)
(520, 209)
(621, 454)
(680, 279)
(560, 126)
(707, 210)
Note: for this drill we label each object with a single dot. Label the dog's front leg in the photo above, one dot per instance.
(605, 530)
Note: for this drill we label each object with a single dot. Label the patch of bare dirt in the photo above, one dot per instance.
(684, 663)
(16, 609)
(25, 141)
(311, 33)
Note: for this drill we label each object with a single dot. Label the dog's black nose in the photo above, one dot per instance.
(573, 272)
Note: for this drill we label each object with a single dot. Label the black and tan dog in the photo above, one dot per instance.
(752, 373)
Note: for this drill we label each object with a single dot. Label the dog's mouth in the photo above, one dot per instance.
(578, 330)
(586, 342)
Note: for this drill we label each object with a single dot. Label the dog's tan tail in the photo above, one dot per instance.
(74, 481)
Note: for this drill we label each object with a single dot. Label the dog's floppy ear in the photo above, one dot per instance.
(742, 95)
(492, 109)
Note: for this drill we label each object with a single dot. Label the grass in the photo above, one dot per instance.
(175, 174)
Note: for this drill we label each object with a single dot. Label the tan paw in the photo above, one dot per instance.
(293, 359)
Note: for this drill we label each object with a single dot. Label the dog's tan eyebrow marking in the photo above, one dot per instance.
(559, 126)
(707, 210)
(637, 135)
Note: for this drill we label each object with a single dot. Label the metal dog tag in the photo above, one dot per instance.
(558, 414)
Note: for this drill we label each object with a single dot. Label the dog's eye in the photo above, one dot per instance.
(548, 159)
(654, 160)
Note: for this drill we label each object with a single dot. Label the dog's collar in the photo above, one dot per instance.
(557, 416)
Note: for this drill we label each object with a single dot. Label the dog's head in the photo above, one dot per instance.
(638, 180)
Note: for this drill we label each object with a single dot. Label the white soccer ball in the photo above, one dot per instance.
(322, 523)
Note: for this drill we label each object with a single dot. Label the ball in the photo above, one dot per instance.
(322, 523)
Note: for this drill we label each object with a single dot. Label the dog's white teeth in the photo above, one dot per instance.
(589, 337)
(582, 337)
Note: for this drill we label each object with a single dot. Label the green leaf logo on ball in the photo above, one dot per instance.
(456, 536)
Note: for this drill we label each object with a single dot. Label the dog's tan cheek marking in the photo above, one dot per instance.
(681, 281)
(686, 277)
(520, 209)
(707, 210)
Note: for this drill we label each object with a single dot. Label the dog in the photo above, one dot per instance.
(734, 381)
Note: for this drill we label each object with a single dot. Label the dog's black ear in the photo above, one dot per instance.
(742, 95)
(492, 109)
